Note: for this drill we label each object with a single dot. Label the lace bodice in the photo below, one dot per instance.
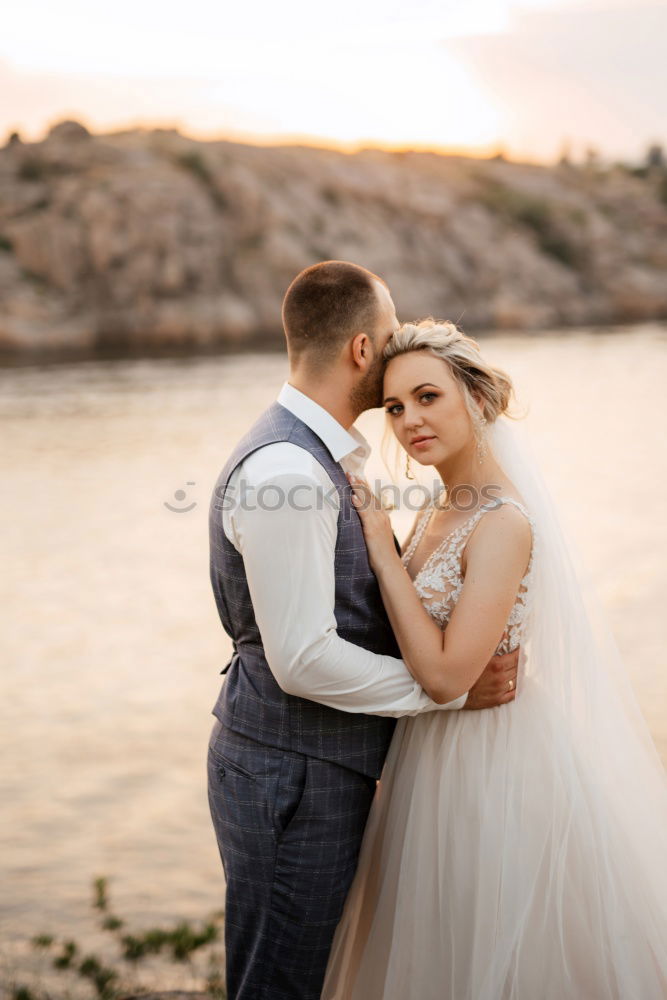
(440, 581)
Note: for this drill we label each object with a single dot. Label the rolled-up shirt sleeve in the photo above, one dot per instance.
(287, 537)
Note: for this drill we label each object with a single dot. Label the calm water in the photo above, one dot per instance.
(111, 642)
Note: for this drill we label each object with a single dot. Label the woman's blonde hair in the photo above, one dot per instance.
(478, 379)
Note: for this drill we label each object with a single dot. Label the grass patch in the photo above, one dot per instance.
(662, 188)
(536, 214)
(196, 164)
(331, 196)
(111, 980)
(32, 169)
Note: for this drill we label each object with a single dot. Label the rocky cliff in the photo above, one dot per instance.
(147, 238)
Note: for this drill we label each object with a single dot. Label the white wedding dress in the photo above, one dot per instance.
(493, 866)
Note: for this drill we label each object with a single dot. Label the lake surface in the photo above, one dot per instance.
(111, 644)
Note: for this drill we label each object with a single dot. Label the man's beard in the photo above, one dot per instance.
(367, 393)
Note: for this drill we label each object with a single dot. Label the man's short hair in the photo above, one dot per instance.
(325, 306)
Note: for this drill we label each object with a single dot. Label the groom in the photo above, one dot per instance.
(306, 713)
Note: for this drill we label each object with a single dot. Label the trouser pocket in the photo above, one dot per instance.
(289, 791)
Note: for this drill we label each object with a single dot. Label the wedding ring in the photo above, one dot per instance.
(511, 684)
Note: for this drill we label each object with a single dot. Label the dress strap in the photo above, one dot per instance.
(515, 503)
(493, 505)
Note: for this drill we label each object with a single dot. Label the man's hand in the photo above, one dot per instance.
(493, 687)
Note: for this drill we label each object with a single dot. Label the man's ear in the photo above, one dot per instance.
(362, 350)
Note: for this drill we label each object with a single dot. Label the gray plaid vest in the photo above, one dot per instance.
(250, 701)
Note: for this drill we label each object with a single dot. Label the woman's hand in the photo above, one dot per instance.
(375, 523)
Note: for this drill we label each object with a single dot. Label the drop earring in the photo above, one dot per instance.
(481, 440)
(408, 471)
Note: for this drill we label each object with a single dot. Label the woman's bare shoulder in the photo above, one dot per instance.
(504, 532)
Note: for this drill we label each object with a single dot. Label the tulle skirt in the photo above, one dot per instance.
(497, 865)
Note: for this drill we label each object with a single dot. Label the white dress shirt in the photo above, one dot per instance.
(288, 552)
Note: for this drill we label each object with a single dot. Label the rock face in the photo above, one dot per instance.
(145, 239)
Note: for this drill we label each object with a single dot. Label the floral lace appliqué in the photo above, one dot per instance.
(440, 581)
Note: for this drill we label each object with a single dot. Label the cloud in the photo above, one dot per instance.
(580, 71)
(105, 101)
(594, 74)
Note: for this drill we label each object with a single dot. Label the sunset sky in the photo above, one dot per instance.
(528, 77)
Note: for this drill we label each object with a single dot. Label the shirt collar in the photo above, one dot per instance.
(339, 441)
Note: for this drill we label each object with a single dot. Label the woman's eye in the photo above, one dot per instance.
(398, 407)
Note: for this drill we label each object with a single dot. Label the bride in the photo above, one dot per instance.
(520, 852)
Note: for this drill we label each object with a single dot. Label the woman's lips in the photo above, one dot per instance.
(424, 442)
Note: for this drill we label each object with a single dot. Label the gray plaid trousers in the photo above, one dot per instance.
(289, 827)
